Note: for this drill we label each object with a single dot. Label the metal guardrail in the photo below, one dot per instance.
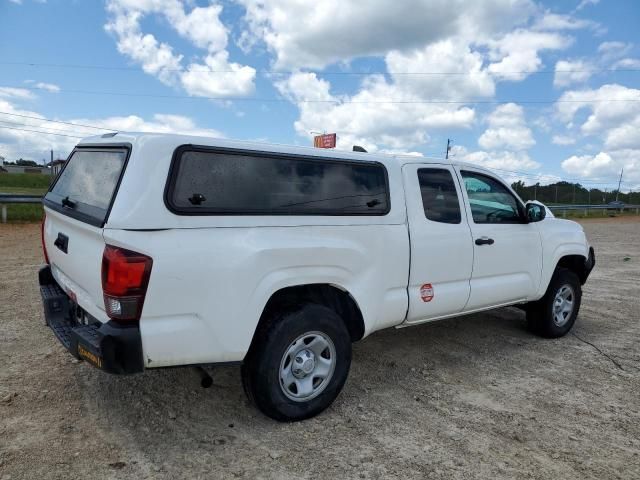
(586, 208)
(10, 198)
(592, 207)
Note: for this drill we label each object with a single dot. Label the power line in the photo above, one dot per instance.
(39, 131)
(549, 176)
(7, 122)
(56, 121)
(290, 72)
(337, 101)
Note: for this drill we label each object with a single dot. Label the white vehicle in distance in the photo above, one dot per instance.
(170, 250)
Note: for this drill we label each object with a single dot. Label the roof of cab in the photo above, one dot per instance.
(180, 139)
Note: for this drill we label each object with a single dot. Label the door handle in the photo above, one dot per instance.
(484, 241)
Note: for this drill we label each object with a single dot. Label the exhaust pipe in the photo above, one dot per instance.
(205, 379)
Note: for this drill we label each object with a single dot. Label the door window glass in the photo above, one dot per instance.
(439, 196)
(490, 201)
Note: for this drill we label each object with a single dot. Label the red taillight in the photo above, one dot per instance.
(44, 246)
(125, 276)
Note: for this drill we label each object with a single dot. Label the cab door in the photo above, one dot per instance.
(507, 251)
(441, 245)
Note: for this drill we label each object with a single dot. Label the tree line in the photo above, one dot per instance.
(572, 193)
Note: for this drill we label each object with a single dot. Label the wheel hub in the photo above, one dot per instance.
(307, 366)
(563, 305)
(303, 363)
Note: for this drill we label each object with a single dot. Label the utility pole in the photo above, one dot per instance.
(574, 193)
(51, 157)
(448, 148)
(619, 182)
(556, 193)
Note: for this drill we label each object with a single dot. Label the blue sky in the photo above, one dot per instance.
(392, 76)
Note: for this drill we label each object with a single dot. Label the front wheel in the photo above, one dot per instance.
(299, 363)
(554, 314)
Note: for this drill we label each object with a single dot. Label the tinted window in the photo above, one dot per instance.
(86, 186)
(208, 182)
(439, 196)
(490, 201)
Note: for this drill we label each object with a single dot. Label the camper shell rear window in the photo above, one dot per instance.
(215, 181)
(87, 185)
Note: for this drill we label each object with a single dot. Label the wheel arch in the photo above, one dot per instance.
(333, 296)
(574, 256)
(577, 264)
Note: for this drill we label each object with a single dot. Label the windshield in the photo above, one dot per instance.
(86, 186)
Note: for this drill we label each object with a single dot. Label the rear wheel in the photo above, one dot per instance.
(554, 314)
(299, 363)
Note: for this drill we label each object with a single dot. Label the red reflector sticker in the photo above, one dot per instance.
(426, 292)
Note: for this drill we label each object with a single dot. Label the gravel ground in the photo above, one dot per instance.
(474, 397)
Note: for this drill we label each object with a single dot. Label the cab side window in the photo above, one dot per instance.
(490, 201)
(439, 196)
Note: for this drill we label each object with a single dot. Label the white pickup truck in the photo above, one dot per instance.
(169, 250)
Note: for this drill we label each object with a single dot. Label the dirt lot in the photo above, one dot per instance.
(475, 397)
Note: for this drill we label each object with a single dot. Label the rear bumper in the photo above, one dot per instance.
(107, 346)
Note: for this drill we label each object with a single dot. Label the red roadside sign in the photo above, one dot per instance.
(328, 140)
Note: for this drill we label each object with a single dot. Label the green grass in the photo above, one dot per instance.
(23, 191)
(11, 182)
(23, 213)
(24, 184)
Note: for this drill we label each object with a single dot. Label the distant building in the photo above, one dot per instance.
(56, 166)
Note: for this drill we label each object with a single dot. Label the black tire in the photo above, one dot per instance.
(541, 315)
(261, 367)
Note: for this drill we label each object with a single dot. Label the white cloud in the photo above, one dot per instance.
(207, 81)
(17, 93)
(586, 3)
(606, 166)
(453, 56)
(569, 72)
(16, 142)
(627, 63)
(613, 111)
(364, 118)
(507, 130)
(563, 140)
(612, 50)
(556, 21)
(201, 26)
(301, 35)
(476, 43)
(504, 160)
(518, 53)
(160, 123)
(613, 115)
(49, 87)
(607, 100)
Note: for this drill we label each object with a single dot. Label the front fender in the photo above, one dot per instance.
(559, 239)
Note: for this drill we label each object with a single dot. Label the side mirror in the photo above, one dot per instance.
(535, 212)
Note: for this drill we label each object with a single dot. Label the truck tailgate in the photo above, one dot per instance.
(75, 254)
